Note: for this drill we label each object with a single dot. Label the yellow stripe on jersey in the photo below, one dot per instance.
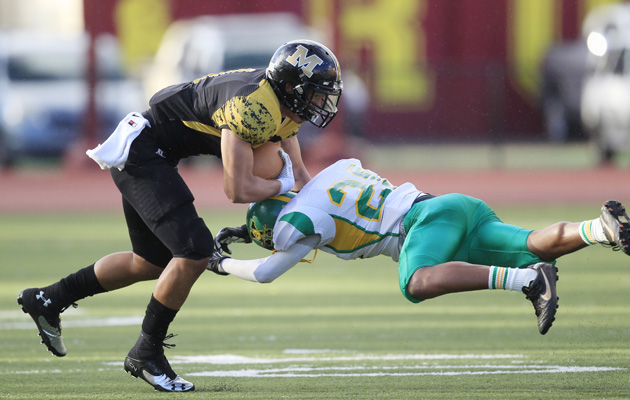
(287, 128)
(265, 95)
(282, 197)
(350, 237)
(255, 118)
(198, 126)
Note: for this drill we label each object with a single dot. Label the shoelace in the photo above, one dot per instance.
(73, 305)
(531, 293)
(614, 247)
(168, 337)
(162, 361)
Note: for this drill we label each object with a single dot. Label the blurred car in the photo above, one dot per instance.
(605, 105)
(196, 47)
(44, 92)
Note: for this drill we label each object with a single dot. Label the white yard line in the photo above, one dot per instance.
(305, 367)
(27, 323)
(235, 359)
(310, 367)
(437, 370)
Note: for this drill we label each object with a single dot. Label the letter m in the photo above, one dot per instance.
(301, 60)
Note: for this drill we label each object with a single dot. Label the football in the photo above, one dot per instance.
(267, 161)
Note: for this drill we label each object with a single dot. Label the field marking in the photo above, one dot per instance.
(438, 370)
(305, 367)
(235, 359)
(15, 320)
(310, 367)
(74, 323)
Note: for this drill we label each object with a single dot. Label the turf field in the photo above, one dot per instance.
(327, 330)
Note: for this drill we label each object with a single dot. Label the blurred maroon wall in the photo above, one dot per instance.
(457, 54)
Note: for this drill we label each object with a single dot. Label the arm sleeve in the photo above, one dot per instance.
(265, 270)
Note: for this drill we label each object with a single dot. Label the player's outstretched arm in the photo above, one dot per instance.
(265, 270)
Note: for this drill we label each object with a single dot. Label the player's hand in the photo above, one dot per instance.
(227, 236)
(214, 263)
(286, 178)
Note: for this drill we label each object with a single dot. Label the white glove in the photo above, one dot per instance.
(286, 178)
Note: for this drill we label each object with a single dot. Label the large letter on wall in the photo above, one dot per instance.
(532, 31)
(392, 32)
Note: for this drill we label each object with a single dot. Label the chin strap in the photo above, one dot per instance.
(304, 259)
(311, 260)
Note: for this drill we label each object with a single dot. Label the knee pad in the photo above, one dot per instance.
(202, 242)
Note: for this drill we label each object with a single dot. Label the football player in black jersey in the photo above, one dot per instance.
(226, 115)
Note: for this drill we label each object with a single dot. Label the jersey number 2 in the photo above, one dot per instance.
(367, 187)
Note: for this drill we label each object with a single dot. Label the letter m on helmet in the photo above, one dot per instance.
(301, 59)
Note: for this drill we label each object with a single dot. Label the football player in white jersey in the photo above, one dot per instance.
(443, 244)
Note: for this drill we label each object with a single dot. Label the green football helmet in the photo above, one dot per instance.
(262, 216)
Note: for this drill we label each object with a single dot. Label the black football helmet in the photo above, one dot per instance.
(307, 79)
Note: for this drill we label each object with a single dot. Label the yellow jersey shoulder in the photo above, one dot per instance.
(256, 117)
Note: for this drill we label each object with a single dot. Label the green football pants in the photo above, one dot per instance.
(456, 227)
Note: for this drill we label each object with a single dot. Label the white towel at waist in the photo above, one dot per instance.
(115, 150)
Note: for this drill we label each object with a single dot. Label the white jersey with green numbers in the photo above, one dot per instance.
(356, 213)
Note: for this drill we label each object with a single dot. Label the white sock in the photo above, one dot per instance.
(510, 278)
(592, 231)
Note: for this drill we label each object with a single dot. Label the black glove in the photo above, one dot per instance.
(213, 263)
(228, 236)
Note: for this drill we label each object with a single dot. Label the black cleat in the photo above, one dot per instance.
(155, 370)
(35, 303)
(616, 225)
(542, 293)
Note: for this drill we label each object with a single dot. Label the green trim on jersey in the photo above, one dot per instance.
(300, 221)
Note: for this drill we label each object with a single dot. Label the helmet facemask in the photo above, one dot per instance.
(317, 103)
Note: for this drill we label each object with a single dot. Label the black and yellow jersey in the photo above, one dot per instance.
(187, 118)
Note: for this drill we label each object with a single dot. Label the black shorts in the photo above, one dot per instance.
(162, 220)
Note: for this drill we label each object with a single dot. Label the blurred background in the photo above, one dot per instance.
(445, 77)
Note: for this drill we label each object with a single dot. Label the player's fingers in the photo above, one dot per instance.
(285, 158)
(225, 248)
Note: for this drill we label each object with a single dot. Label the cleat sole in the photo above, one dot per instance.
(161, 383)
(618, 212)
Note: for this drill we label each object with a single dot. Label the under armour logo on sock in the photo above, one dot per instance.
(40, 296)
